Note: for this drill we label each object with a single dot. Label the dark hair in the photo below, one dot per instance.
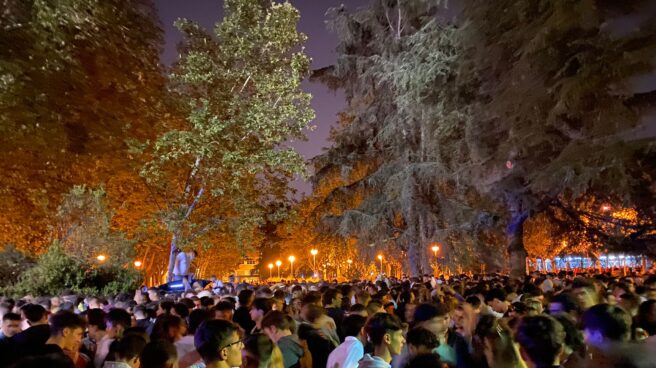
(244, 297)
(263, 304)
(428, 311)
(212, 335)
(196, 317)
(419, 336)
(353, 324)
(614, 323)
(424, 360)
(380, 324)
(166, 306)
(278, 319)
(181, 310)
(314, 312)
(157, 353)
(118, 317)
(496, 293)
(643, 318)
(567, 301)
(357, 308)
(542, 338)
(329, 295)
(50, 361)
(206, 301)
(261, 348)
(130, 347)
(11, 317)
(34, 312)
(310, 298)
(573, 337)
(65, 319)
(474, 301)
(224, 305)
(163, 325)
(96, 317)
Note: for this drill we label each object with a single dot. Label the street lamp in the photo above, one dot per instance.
(380, 258)
(101, 258)
(270, 270)
(278, 263)
(435, 248)
(314, 259)
(291, 260)
(137, 264)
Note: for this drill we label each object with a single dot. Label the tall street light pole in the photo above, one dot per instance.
(270, 270)
(278, 263)
(380, 258)
(291, 260)
(314, 260)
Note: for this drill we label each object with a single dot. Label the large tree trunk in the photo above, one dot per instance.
(516, 251)
(174, 236)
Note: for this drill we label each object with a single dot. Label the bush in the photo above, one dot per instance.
(12, 264)
(56, 272)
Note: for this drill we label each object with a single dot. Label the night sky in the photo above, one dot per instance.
(320, 47)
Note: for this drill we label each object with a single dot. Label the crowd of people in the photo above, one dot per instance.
(543, 320)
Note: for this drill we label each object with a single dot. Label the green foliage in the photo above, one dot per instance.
(12, 263)
(57, 271)
(239, 90)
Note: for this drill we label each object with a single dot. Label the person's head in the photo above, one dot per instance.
(353, 325)
(153, 294)
(386, 333)
(246, 297)
(332, 298)
(159, 354)
(424, 360)
(495, 339)
(584, 293)
(646, 318)
(563, 303)
(117, 320)
(630, 302)
(259, 308)
(129, 348)
(218, 341)
(261, 352)
(573, 337)
(605, 323)
(277, 324)
(11, 324)
(375, 306)
(196, 317)
(421, 341)
(96, 323)
(165, 307)
(181, 310)
(169, 327)
(224, 310)
(496, 299)
(67, 328)
(358, 309)
(541, 340)
(433, 317)
(35, 314)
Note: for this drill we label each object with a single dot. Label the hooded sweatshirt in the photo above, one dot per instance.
(291, 350)
(369, 361)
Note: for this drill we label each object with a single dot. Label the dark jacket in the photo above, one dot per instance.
(319, 346)
(243, 319)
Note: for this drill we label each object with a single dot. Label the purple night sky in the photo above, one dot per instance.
(320, 47)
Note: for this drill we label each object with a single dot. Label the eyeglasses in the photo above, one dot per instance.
(233, 343)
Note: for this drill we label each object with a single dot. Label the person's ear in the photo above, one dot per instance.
(135, 363)
(223, 354)
(66, 332)
(387, 338)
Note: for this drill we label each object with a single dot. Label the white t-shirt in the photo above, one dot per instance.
(347, 354)
(181, 264)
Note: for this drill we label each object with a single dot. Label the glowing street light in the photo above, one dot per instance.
(137, 263)
(435, 248)
(291, 260)
(278, 263)
(605, 208)
(349, 261)
(380, 258)
(314, 259)
(270, 269)
(101, 258)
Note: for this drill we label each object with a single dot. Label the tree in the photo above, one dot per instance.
(240, 92)
(79, 80)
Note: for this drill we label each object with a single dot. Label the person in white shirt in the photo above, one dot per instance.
(181, 267)
(349, 353)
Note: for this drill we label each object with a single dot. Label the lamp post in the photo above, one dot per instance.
(314, 260)
(278, 263)
(380, 258)
(137, 263)
(435, 248)
(349, 262)
(270, 270)
(101, 257)
(291, 260)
